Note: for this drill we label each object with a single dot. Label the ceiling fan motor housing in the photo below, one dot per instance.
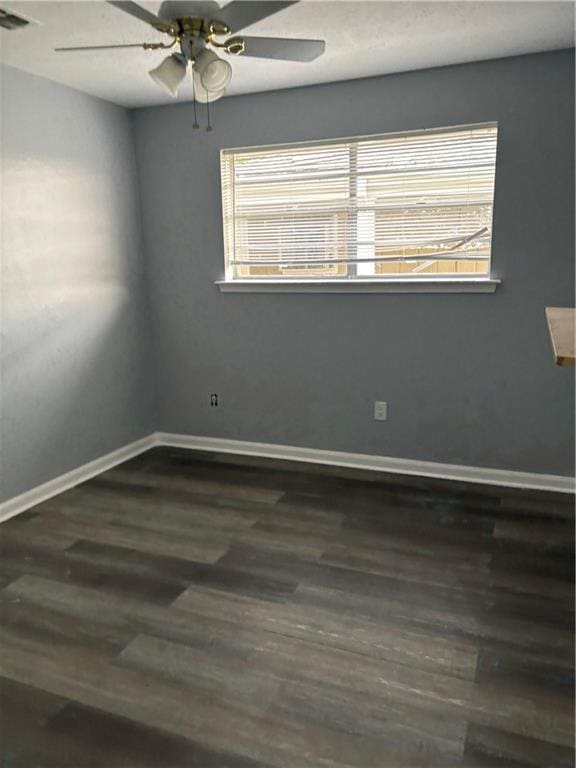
(195, 33)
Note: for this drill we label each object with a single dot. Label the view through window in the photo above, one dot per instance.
(404, 205)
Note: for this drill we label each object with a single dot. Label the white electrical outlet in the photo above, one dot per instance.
(380, 410)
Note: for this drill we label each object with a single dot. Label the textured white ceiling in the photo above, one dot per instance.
(362, 39)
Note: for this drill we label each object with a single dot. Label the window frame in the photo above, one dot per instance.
(384, 283)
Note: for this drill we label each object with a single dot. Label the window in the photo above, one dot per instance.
(413, 206)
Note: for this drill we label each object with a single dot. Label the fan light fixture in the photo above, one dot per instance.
(214, 73)
(202, 95)
(170, 73)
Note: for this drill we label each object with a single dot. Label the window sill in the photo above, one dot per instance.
(448, 285)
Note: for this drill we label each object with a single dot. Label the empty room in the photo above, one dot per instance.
(287, 384)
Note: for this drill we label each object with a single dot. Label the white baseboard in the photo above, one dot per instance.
(481, 475)
(484, 476)
(62, 483)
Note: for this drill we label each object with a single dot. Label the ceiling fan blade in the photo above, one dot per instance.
(140, 13)
(99, 47)
(283, 48)
(242, 13)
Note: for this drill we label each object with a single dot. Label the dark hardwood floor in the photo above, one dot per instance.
(188, 610)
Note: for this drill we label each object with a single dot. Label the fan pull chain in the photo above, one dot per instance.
(196, 125)
(208, 127)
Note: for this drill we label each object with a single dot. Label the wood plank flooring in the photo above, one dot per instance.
(194, 610)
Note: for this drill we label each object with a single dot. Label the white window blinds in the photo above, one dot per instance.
(398, 205)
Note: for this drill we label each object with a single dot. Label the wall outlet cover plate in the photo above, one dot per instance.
(380, 410)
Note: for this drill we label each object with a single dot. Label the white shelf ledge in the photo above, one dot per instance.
(449, 285)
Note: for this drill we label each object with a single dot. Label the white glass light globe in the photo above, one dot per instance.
(170, 73)
(202, 95)
(214, 73)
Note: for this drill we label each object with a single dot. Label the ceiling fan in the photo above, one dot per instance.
(197, 29)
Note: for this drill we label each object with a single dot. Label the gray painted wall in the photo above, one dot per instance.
(469, 378)
(76, 379)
